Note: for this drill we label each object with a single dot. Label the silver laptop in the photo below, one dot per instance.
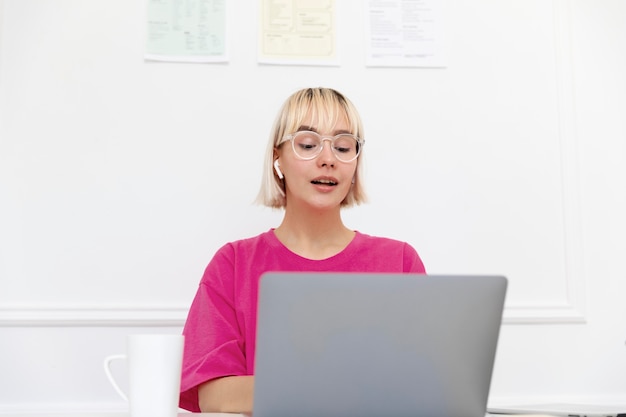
(360, 345)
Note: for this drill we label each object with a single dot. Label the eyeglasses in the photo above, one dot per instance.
(308, 145)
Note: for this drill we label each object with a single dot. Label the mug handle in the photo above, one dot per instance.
(107, 371)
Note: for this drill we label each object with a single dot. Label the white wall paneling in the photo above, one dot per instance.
(120, 178)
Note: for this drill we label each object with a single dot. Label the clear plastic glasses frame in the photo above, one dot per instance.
(308, 145)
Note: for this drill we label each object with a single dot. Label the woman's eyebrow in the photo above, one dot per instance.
(306, 128)
(342, 131)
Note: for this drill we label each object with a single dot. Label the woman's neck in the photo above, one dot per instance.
(314, 234)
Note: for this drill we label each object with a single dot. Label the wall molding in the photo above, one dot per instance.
(59, 316)
(175, 316)
(574, 307)
(546, 314)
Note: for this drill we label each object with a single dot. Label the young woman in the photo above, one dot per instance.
(312, 171)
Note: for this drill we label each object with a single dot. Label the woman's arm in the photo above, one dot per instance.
(230, 394)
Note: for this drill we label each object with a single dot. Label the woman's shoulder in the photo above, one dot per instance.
(246, 250)
(379, 240)
(248, 244)
(392, 254)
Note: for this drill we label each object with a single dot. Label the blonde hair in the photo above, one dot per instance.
(325, 106)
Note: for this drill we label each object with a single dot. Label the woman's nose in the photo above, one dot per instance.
(327, 156)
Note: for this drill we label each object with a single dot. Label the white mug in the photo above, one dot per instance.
(154, 371)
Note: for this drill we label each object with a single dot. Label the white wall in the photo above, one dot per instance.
(120, 178)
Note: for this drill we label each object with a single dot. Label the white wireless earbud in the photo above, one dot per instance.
(278, 171)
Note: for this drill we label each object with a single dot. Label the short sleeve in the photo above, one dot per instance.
(213, 339)
(412, 261)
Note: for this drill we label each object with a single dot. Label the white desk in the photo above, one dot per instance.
(112, 414)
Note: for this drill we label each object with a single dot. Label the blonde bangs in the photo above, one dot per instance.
(322, 109)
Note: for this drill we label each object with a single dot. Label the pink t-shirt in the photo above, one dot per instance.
(220, 331)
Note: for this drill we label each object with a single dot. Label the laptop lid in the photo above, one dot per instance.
(353, 344)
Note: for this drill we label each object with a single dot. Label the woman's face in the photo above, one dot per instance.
(322, 182)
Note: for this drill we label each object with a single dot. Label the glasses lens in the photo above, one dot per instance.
(345, 147)
(307, 145)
